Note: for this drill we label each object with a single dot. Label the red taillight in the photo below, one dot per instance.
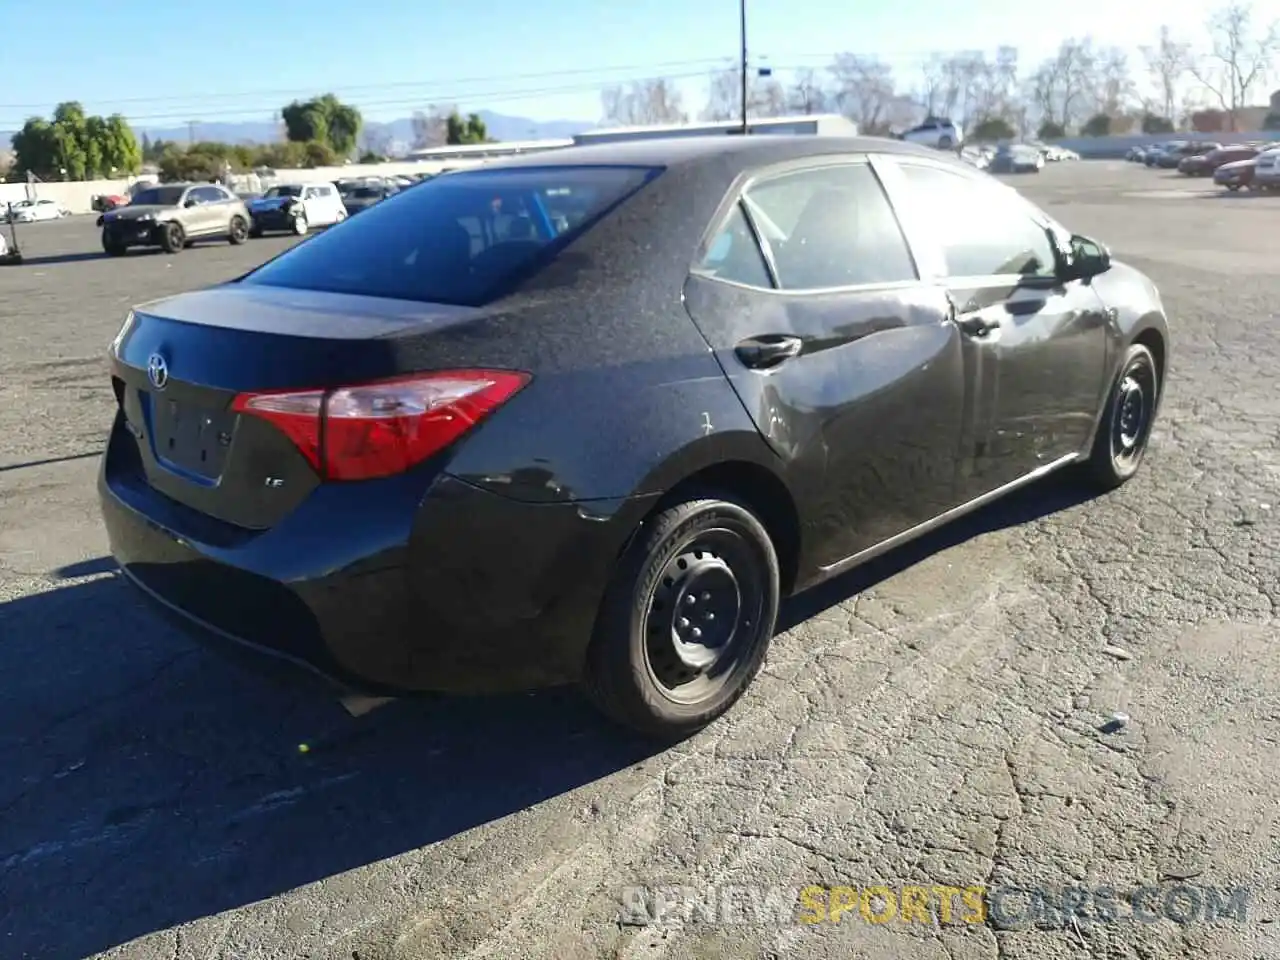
(379, 429)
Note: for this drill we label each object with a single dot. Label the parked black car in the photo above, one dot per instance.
(360, 196)
(592, 416)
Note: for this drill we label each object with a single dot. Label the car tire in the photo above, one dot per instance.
(113, 249)
(238, 232)
(648, 667)
(300, 225)
(1127, 419)
(173, 238)
(945, 143)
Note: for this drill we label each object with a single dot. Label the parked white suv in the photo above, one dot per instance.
(937, 132)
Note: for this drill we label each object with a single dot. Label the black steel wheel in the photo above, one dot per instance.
(1125, 428)
(172, 237)
(687, 619)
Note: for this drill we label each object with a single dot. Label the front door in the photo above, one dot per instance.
(1035, 346)
(848, 363)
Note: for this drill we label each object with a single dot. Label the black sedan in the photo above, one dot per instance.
(358, 197)
(591, 418)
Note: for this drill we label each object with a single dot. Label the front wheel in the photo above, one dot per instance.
(172, 237)
(113, 248)
(300, 225)
(687, 619)
(238, 232)
(1126, 424)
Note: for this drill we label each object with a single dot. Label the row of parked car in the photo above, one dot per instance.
(174, 216)
(1029, 157)
(1235, 166)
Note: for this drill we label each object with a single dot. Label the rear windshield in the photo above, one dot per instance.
(158, 196)
(461, 239)
(285, 190)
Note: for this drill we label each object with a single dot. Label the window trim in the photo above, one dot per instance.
(896, 183)
(735, 196)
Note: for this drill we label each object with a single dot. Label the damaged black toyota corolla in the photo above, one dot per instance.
(589, 416)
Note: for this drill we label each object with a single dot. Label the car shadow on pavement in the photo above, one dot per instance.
(148, 783)
(89, 255)
(1049, 496)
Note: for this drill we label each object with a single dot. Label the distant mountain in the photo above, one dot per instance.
(501, 126)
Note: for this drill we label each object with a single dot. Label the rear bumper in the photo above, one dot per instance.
(416, 583)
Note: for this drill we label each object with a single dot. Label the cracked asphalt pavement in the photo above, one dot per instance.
(931, 719)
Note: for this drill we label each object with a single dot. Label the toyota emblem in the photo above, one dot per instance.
(157, 371)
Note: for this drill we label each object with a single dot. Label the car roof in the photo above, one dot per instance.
(739, 151)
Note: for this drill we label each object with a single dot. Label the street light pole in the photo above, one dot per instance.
(742, 20)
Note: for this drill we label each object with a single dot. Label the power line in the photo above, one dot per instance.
(428, 88)
(401, 85)
(490, 96)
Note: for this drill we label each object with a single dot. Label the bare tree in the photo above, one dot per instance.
(1061, 89)
(643, 103)
(430, 126)
(1240, 57)
(1114, 89)
(1167, 62)
(376, 138)
(933, 77)
(768, 98)
(994, 88)
(807, 94)
(865, 91)
(724, 95)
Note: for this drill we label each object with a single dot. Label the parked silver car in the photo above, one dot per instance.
(173, 216)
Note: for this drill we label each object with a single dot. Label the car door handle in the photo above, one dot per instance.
(768, 350)
(977, 325)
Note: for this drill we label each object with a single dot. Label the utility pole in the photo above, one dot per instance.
(742, 19)
(191, 131)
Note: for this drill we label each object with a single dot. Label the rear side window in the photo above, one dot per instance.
(830, 227)
(461, 239)
(734, 255)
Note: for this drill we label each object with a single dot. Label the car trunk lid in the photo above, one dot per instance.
(179, 365)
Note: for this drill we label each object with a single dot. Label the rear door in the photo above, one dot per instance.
(807, 290)
(1035, 347)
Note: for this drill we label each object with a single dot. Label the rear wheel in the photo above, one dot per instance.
(172, 237)
(300, 225)
(1121, 443)
(238, 232)
(945, 143)
(687, 619)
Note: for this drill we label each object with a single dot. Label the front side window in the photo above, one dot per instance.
(158, 196)
(981, 231)
(830, 227)
(461, 239)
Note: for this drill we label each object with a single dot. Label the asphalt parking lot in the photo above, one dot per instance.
(934, 719)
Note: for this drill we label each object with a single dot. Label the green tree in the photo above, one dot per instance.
(1051, 131)
(1099, 125)
(76, 146)
(470, 130)
(325, 120)
(1154, 124)
(35, 148)
(993, 128)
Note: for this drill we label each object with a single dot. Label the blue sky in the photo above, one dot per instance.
(166, 64)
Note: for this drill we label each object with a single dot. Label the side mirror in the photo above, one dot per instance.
(1088, 258)
(190, 202)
